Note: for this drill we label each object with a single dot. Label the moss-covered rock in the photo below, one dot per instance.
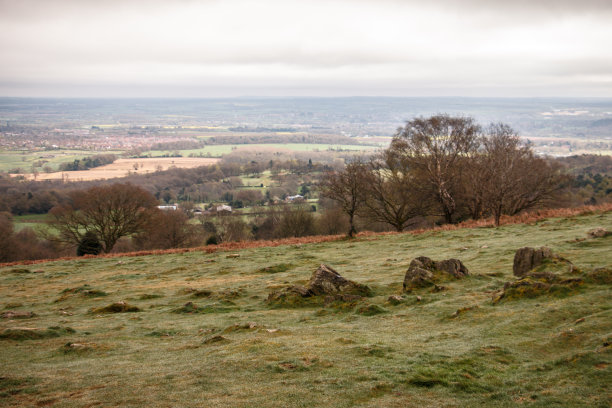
(325, 286)
(538, 284)
(424, 272)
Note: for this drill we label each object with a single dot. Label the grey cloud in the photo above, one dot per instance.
(479, 47)
(520, 6)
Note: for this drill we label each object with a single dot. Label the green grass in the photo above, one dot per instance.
(205, 336)
(24, 159)
(35, 221)
(220, 150)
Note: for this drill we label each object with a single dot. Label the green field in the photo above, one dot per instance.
(220, 150)
(451, 348)
(24, 159)
(35, 221)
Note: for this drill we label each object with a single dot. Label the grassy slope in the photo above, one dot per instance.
(527, 351)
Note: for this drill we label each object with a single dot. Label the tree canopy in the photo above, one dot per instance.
(109, 211)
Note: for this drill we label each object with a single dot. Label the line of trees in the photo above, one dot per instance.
(448, 168)
(88, 162)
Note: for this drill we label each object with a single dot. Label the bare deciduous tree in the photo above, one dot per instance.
(111, 212)
(231, 228)
(391, 196)
(347, 188)
(508, 177)
(166, 229)
(296, 221)
(434, 149)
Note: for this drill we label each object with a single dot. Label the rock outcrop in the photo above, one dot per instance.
(540, 272)
(538, 284)
(525, 259)
(325, 282)
(424, 272)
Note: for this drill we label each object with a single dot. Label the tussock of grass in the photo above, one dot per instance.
(216, 340)
(191, 308)
(18, 271)
(13, 305)
(462, 311)
(84, 291)
(11, 386)
(601, 276)
(241, 327)
(149, 296)
(27, 333)
(78, 348)
(117, 307)
(162, 333)
(371, 310)
(283, 267)
(202, 293)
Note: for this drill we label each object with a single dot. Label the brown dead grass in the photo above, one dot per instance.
(525, 218)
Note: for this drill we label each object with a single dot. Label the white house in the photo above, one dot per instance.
(224, 207)
(295, 198)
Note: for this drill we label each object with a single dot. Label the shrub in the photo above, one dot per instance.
(89, 245)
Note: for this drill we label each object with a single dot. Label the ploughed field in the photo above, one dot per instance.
(123, 167)
(196, 329)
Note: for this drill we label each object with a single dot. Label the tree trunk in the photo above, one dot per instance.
(352, 230)
(448, 216)
(498, 213)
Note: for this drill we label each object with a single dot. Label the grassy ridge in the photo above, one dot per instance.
(204, 335)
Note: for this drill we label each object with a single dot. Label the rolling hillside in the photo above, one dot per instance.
(195, 329)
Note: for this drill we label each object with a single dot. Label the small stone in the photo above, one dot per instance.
(15, 314)
(395, 299)
(418, 298)
(598, 233)
(579, 320)
(233, 256)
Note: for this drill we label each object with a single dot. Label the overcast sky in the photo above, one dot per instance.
(206, 48)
